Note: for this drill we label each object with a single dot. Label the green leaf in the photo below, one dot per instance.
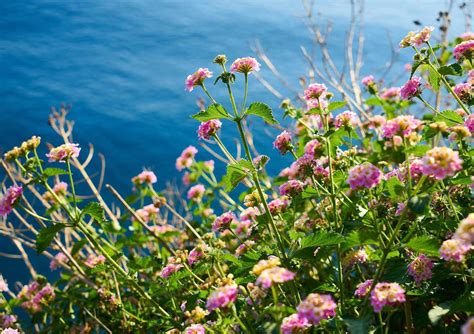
(395, 187)
(94, 210)
(453, 69)
(100, 268)
(236, 172)
(450, 117)
(214, 111)
(309, 192)
(48, 172)
(424, 244)
(358, 326)
(321, 238)
(46, 236)
(433, 79)
(419, 204)
(373, 101)
(78, 246)
(336, 105)
(418, 150)
(261, 110)
(437, 312)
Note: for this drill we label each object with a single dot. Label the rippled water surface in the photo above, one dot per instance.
(122, 65)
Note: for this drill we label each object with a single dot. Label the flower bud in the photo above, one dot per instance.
(220, 59)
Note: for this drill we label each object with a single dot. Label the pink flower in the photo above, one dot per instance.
(274, 275)
(64, 152)
(195, 254)
(197, 78)
(185, 160)
(10, 331)
(315, 91)
(400, 208)
(209, 128)
(440, 162)
(170, 269)
(223, 221)
(386, 294)
(58, 260)
(36, 296)
(391, 93)
(244, 247)
(411, 88)
(147, 176)
(469, 122)
(278, 205)
(365, 175)
(420, 269)
(454, 250)
(9, 199)
(422, 37)
(94, 260)
(463, 91)
(363, 288)
(283, 142)
(464, 50)
(468, 327)
(465, 230)
(245, 65)
(294, 324)
(195, 329)
(196, 193)
(468, 35)
(60, 188)
(314, 148)
(3, 284)
(368, 80)
(347, 119)
(353, 257)
(222, 297)
(401, 126)
(7, 320)
(317, 307)
(291, 188)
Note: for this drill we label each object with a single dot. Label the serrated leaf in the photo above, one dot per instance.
(95, 211)
(336, 105)
(321, 238)
(262, 110)
(236, 172)
(214, 111)
(434, 79)
(395, 187)
(453, 69)
(424, 244)
(450, 117)
(46, 236)
(54, 171)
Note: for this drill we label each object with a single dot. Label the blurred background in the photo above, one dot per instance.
(121, 65)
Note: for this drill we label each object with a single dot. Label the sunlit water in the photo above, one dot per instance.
(122, 65)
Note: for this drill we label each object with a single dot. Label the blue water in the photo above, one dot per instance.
(122, 65)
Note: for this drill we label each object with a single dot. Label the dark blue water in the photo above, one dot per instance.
(122, 65)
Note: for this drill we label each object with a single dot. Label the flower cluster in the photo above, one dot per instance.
(64, 152)
(145, 177)
(411, 88)
(283, 142)
(420, 268)
(222, 297)
(35, 296)
(416, 38)
(185, 160)
(464, 50)
(440, 162)
(223, 221)
(197, 78)
(386, 294)
(9, 199)
(245, 65)
(208, 129)
(364, 176)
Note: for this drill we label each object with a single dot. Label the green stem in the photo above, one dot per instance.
(72, 187)
(246, 86)
(207, 93)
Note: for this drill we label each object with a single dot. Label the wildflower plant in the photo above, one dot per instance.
(369, 229)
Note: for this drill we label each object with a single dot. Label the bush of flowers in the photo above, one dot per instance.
(369, 229)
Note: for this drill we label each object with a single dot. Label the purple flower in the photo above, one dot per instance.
(94, 260)
(401, 126)
(64, 152)
(363, 288)
(420, 269)
(195, 329)
(197, 78)
(222, 297)
(469, 122)
(368, 80)
(463, 91)
(347, 119)
(170, 269)
(411, 88)
(278, 205)
(9, 199)
(209, 128)
(245, 65)
(291, 188)
(391, 93)
(58, 260)
(468, 327)
(185, 160)
(10, 331)
(314, 148)
(315, 91)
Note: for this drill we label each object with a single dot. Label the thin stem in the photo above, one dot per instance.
(72, 187)
(207, 93)
(246, 86)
